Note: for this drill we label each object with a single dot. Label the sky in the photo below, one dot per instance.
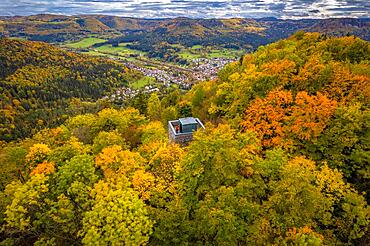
(288, 9)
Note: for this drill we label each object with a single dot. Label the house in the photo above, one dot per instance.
(181, 131)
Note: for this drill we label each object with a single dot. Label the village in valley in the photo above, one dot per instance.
(187, 65)
(161, 78)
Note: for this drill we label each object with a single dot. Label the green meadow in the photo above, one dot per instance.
(85, 43)
(188, 55)
(143, 82)
(120, 50)
(227, 53)
(196, 47)
(199, 51)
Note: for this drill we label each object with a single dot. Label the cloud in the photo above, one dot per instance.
(192, 8)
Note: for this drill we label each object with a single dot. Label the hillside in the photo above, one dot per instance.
(341, 27)
(52, 28)
(241, 33)
(308, 94)
(38, 80)
(179, 41)
(284, 160)
(335, 67)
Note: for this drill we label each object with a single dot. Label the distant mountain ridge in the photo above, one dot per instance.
(59, 28)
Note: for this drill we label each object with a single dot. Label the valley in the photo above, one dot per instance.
(162, 55)
(177, 52)
(198, 64)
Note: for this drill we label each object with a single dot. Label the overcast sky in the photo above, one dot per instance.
(192, 8)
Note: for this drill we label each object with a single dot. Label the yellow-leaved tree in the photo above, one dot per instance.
(117, 217)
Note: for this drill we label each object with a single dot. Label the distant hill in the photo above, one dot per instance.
(340, 27)
(37, 81)
(237, 32)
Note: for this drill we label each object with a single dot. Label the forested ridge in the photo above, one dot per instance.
(148, 33)
(37, 80)
(284, 160)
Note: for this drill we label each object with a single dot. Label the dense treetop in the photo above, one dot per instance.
(303, 94)
(284, 160)
(338, 68)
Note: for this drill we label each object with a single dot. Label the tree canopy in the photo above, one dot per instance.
(283, 160)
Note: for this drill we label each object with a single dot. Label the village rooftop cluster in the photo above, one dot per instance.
(203, 69)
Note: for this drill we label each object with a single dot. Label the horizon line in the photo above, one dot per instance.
(193, 18)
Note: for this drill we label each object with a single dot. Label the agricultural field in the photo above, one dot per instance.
(107, 50)
(142, 82)
(96, 53)
(196, 47)
(85, 43)
(125, 53)
(189, 55)
(121, 50)
(198, 51)
(18, 38)
(225, 53)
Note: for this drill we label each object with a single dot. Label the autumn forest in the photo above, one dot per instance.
(283, 159)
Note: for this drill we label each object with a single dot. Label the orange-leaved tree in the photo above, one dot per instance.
(282, 119)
